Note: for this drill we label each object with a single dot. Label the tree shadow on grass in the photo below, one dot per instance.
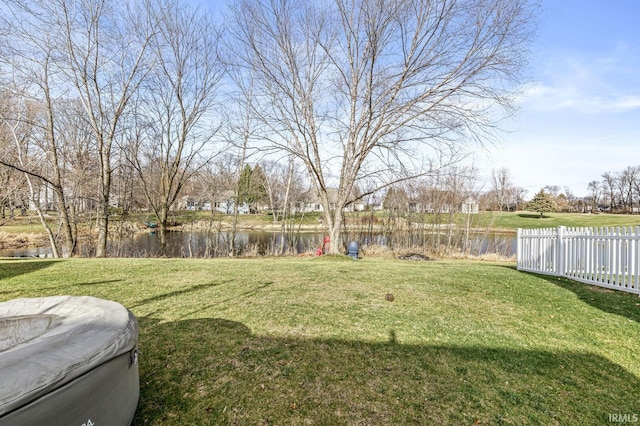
(100, 283)
(532, 216)
(197, 288)
(611, 301)
(607, 300)
(214, 371)
(10, 268)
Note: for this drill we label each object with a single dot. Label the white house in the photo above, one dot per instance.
(314, 204)
(222, 203)
(470, 205)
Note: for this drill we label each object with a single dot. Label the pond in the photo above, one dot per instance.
(261, 243)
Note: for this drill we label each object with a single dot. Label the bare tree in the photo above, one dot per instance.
(595, 194)
(105, 45)
(370, 90)
(12, 181)
(461, 185)
(627, 181)
(636, 190)
(396, 199)
(552, 190)
(609, 186)
(283, 184)
(33, 128)
(11, 187)
(277, 182)
(126, 184)
(219, 177)
(520, 194)
(174, 132)
(31, 164)
(213, 182)
(241, 125)
(78, 154)
(502, 188)
(621, 190)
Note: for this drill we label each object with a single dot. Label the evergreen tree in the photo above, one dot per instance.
(244, 185)
(251, 185)
(542, 203)
(258, 185)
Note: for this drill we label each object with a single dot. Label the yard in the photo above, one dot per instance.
(315, 340)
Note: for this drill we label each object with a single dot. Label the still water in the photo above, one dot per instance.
(261, 243)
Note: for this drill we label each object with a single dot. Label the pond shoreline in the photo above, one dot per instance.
(35, 239)
(143, 242)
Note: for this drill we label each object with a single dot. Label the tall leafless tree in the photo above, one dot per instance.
(609, 185)
(12, 181)
(78, 156)
(595, 193)
(627, 181)
(461, 185)
(280, 186)
(106, 46)
(520, 193)
(370, 89)
(25, 133)
(503, 188)
(238, 132)
(176, 105)
(32, 118)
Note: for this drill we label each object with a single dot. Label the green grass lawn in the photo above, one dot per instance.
(506, 220)
(314, 340)
(520, 219)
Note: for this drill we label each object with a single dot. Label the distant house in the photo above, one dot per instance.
(313, 202)
(470, 206)
(193, 205)
(222, 203)
(440, 202)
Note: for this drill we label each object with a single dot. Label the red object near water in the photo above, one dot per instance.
(324, 247)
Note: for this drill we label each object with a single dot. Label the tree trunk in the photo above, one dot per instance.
(103, 224)
(103, 208)
(66, 222)
(285, 208)
(335, 232)
(164, 218)
(52, 240)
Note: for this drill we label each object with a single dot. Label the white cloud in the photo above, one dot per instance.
(540, 97)
(570, 82)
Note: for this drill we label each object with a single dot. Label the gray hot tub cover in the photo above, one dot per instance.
(47, 342)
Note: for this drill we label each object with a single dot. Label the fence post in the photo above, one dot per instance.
(519, 249)
(635, 259)
(560, 252)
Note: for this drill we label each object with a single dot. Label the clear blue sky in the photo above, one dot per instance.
(580, 117)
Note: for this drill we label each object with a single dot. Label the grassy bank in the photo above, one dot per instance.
(314, 340)
(527, 220)
(504, 220)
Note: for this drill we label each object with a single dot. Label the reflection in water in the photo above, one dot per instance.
(202, 244)
(29, 252)
(262, 243)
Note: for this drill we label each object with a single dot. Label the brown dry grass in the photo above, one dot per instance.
(22, 239)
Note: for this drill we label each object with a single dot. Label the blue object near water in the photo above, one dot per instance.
(352, 250)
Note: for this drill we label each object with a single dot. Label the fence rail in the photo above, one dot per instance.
(607, 257)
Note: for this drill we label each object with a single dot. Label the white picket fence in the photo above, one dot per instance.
(606, 257)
